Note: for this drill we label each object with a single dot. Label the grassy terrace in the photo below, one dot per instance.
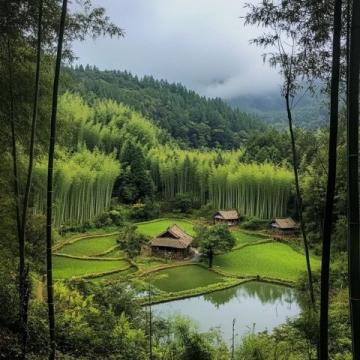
(245, 238)
(117, 276)
(274, 260)
(66, 268)
(183, 278)
(153, 228)
(250, 257)
(89, 246)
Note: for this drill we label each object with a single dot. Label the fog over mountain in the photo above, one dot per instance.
(203, 44)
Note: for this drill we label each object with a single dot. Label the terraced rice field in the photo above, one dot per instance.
(183, 278)
(270, 260)
(90, 246)
(244, 238)
(153, 228)
(66, 268)
(118, 276)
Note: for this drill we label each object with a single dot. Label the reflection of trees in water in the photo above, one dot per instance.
(266, 293)
(221, 297)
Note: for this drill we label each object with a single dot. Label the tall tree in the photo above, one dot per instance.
(24, 281)
(49, 204)
(214, 239)
(331, 180)
(299, 206)
(353, 177)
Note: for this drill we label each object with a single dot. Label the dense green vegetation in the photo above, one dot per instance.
(192, 120)
(83, 186)
(260, 190)
(129, 150)
(212, 240)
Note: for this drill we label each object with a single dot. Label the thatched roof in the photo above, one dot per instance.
(172, 237)
(284, 224)
(227, 215)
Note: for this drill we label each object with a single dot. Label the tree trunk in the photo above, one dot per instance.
(353, 178)
(331, 181)
(22, 281)
(26, 283)
(211, 258)
(299, 198)
(50, 291)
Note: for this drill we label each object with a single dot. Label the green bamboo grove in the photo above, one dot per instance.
(104, 124)
(83, 184)
(260, 190)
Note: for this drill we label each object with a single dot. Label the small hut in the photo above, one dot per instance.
(173, 243)
(228, 217)
(285, 226)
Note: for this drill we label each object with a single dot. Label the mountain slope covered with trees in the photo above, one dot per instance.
(193, 120)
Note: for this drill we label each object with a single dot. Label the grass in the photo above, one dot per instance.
(89, 247)
(153, 228)
(146, 263)
(268, 260)
(65, 268)
(120, 276)
(184, 278)
(243, 238)
(114, 253)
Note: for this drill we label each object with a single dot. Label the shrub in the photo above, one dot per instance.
(103, 220)
(131, 241)
(116, 217)
(145, 211)
(254, 223)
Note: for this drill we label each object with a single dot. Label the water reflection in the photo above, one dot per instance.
(266, 293)
(255, 306)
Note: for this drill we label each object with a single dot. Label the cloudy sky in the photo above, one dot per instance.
(200, 43)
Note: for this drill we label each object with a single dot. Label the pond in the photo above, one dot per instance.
(255, 306)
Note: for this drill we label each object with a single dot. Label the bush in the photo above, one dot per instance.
(254, 223)
(131, 241)
(206, 211)
(145, 211)
(116, 217)
(103, 220)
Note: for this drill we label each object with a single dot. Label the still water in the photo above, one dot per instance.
(255, 306)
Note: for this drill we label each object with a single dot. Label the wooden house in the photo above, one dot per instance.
(228, 217)
(284, 226)
(173, 243)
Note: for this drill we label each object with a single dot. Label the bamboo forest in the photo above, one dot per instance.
(179, 180)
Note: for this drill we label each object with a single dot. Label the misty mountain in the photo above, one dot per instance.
(309, 110)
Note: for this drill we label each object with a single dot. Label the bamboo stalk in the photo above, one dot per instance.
(50, 290)
(331, 180)
(353, 178)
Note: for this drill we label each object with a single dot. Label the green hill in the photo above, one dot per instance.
(194, 121)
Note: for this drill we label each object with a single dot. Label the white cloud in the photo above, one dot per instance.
(202, 44)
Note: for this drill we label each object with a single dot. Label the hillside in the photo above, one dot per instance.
(310, 111)
(192, 120)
